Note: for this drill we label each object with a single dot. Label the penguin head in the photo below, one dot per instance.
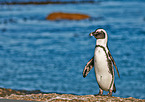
(100, 35)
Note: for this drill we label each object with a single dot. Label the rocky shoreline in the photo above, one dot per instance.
(41, 96)
(66, 16)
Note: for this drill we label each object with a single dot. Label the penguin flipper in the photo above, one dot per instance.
(88, 67)
(114, 63)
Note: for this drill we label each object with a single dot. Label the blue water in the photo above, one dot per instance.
(36, 54)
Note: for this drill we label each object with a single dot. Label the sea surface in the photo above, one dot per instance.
(36, 54)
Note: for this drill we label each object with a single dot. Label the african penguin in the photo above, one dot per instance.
(103, 62)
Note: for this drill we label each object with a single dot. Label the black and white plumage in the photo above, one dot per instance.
(103, 62)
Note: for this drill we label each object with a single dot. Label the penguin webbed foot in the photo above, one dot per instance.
(100, 93)
(110, 93)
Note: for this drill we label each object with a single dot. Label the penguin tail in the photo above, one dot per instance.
(114, 88)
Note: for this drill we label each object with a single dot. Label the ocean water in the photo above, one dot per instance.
(36, 54)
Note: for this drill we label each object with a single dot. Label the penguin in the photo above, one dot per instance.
(103, 62)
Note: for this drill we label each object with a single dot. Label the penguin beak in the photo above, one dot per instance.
(91, 34)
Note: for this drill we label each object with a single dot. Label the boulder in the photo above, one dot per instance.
(66, 16)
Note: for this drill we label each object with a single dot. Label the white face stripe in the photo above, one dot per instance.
(99, 30)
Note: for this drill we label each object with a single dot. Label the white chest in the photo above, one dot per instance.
(104, 78)
(100, 60)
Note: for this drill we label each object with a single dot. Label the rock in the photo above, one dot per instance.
(54, 97)
(66, 16)
(6, 92)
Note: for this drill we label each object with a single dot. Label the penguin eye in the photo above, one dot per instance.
(96, 33)
(99, 33)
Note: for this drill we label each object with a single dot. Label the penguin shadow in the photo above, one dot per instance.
(102, 95)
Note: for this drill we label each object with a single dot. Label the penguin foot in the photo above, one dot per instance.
(100, 93)
(110, 93)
